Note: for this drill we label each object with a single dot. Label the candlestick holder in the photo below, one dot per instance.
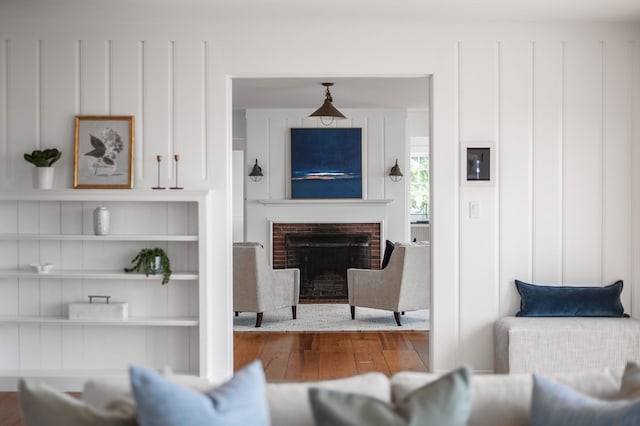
(159, 158)
(176, 158)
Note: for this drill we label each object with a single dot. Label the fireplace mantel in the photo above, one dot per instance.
(324, 202)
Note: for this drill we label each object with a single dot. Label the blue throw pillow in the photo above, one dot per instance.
(239, 402)
(567, 301)
(388, 249)
(553, 404)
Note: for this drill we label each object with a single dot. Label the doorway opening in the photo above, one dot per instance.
(264, 109)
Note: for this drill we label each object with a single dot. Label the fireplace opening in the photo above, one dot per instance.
(323, 260)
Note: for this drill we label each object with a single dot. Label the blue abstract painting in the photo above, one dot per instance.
(326, 163)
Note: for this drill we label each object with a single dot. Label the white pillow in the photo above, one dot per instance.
(43, 405)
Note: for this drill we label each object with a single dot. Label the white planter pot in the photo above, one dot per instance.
(43, 177)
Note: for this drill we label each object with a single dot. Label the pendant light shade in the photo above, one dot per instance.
(327, 112)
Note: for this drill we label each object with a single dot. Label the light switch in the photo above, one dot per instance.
(474, 209)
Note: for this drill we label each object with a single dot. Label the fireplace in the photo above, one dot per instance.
(323, 252)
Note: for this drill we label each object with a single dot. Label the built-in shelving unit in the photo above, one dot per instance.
(167, 324)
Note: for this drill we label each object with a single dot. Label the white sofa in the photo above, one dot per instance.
(497, 400)
(564, 344)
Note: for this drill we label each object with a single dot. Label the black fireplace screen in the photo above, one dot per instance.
(323, 260)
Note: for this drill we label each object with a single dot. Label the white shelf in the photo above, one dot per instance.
(86, 274)
(128, 195)
(84, 237)
(129, 322)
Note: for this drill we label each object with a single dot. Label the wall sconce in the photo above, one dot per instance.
(395, 174)
(256, 172)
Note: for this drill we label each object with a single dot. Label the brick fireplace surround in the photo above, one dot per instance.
(280, 230)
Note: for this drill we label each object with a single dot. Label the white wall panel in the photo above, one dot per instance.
(126, 99)
(515, 184)
(58, 104)
(4, 89)
(617, 195)
(634, 83)
(157, 120)
(547, 162)
(257, 128)
(478, 95)
(23, 125)
(279, 156)
(376, 149)
(582, 159)
(395, 146)
(95, 77)
(189, 115)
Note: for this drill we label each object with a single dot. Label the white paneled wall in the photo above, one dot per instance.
(45, 83)
(561, 116)
(559, 102)
(383, 140)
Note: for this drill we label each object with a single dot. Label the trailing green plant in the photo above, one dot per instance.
(44, 158)
(145, 261)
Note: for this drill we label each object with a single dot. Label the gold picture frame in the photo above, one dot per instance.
(103, 152)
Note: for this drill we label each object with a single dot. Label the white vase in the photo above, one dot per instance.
(101, 221)
(43, 177)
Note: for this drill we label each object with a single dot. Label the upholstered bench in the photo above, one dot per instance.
(564, 344)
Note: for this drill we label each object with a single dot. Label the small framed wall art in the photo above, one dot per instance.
(477, 162)
(103, 154)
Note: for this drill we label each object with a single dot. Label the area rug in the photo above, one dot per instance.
(332, 317)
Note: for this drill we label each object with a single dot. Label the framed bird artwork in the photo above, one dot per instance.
(103, 152)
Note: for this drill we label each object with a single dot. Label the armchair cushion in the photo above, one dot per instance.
(388, 249)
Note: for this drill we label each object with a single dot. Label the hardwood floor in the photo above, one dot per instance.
(318, 356)
(307, 356)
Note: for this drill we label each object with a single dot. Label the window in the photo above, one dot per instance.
(419, 183)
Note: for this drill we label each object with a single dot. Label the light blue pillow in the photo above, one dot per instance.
(553, 404)
(239, 402)
(444, 402)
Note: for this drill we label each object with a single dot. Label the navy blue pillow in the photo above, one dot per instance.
(388, 249)
(567, 301)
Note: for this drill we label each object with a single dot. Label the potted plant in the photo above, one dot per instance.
(43, 160)
(152, 261)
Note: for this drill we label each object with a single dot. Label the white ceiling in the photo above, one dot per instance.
(365, 92)
(429, 10)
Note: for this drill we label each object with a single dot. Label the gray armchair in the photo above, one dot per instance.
(259, 288)
(402, 286)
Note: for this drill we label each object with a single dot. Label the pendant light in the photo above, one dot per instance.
(327, 112)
